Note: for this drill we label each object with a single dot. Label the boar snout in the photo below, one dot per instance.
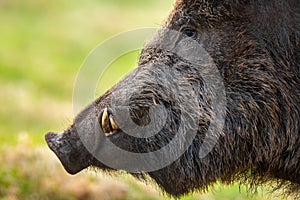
(70, 151)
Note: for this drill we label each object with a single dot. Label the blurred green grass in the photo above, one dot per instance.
(43, 44)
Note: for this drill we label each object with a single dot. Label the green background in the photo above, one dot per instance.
(42, 46)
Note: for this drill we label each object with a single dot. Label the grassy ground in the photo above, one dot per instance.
(30, 173)
(43, 44)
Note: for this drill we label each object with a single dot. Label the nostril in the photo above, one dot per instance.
(49, 136)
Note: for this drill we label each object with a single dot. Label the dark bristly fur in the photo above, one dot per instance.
(256, 46)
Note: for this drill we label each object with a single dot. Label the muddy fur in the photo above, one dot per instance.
(256, 47)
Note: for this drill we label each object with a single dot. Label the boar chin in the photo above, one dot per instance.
(73, 160)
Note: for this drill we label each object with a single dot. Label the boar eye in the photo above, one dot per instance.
(190, 32)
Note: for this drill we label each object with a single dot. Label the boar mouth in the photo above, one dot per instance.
(72, 160)
(108, 124)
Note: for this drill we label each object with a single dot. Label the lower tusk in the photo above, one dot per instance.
(113, 124)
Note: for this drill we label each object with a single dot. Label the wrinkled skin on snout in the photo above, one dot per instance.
(253, 58)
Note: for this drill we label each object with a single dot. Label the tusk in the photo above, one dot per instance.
(104, 122)
(113, 124)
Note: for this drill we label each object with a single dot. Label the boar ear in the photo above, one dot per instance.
(234, 2)
(235, 5)
(218, 2)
